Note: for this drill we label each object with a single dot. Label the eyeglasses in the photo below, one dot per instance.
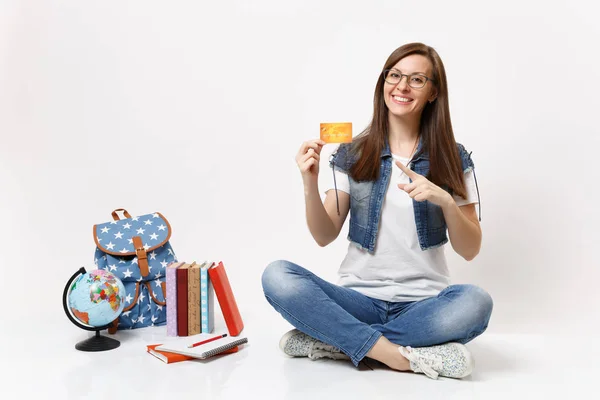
(415, 81)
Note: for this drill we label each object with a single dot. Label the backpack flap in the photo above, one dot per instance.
(136, 236)
(157, 296)
(145, 306)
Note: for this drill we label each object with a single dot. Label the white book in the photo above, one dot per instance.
(204, 350)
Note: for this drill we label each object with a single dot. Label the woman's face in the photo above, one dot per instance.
(395, 94)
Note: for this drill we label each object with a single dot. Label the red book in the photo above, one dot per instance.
(231, 313)
(182, 300)
(168, 357)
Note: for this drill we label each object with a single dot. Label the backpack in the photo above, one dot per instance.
(137, 251)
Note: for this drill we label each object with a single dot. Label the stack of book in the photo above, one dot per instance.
(191, 290)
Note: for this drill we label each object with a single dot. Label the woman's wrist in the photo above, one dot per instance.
(448, 203)
(310, 185)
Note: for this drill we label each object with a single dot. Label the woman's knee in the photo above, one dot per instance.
(275, 277)
(471, 311)
(271, 274)
(478, 311)
(471, 298)
(482, 302)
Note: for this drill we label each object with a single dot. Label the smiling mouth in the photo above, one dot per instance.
(401, 100)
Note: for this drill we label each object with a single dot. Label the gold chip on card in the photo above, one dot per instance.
(336, 132)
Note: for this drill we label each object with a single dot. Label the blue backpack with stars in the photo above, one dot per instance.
(137, 251)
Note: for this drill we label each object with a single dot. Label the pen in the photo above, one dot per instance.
(207, 340)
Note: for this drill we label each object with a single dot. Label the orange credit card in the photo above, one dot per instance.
(336, 132)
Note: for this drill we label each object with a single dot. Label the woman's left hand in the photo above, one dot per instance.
(422, 189)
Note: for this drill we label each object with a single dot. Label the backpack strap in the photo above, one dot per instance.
(116, 216)
(142, 257)
(112, 329)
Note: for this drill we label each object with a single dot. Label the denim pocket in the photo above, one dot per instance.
(359, 191)
(435, 216)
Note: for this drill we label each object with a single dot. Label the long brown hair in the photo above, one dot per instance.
(435, 128)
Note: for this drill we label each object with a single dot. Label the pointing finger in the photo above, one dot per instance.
(409, 172)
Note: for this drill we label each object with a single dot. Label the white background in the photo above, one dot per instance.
(197, 110)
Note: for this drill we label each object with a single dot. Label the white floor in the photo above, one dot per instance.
(513, 366)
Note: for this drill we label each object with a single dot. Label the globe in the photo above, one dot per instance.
(96, 298)
(92, 300)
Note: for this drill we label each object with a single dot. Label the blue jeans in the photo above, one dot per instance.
(353, 322)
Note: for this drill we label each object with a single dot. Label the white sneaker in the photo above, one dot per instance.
(451, 359)
(298, 344)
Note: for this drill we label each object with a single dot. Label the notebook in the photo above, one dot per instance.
(205, 350)
(170, 358)
(165, 356)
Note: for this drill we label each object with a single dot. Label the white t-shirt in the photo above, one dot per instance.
(398, 270)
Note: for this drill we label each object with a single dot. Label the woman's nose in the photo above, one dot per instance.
(402, 84)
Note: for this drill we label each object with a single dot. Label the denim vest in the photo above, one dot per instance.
(366, 198)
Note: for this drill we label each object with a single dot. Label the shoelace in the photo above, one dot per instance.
(428, 364)
(320, 350)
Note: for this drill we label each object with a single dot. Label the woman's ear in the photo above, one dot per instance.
(433, 96)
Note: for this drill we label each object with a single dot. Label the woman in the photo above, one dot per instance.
(405, 182)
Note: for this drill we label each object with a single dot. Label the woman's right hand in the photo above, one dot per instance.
(308, 158)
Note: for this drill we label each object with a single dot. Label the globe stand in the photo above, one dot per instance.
(96, 342)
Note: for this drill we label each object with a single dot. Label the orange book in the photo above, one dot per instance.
(229, 307)
(170, 358)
